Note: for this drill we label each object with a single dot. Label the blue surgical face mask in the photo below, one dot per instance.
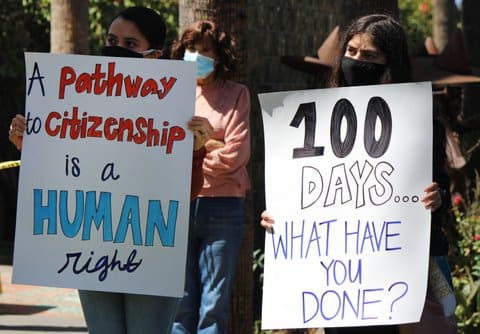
(205, 65)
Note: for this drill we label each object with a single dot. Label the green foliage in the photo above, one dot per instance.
(258, 259)
(466, 260)
(36, 22)
(15, 36)
(24, 27)
(416, 19)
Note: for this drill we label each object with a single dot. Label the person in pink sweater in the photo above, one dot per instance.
(217, 215)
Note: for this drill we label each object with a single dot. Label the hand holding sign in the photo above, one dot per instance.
(17, 128)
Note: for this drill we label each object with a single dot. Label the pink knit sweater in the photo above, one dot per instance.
(226, 104)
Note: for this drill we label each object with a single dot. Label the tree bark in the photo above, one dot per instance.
(471, 29)
(349, 10)
(69, 26)
(470, 114)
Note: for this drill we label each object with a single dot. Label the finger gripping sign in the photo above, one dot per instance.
(345, 170)
(104, 186)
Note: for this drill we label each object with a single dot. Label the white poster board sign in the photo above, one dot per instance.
(104, 187)
(345, 170)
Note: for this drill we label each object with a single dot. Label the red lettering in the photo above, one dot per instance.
(112, 84)
(149, 87)
(132, 87)
(67, 77)
(95, 122)
(139, 130)
(84, 83)
(164, 133)
(98, 76)
(52, 132)
(108, 133)
(140, 136)
(125, 125)
(114, 81)
(153, 135)
(75, 124)
(167, 86)
(176, 133)
(65, 123)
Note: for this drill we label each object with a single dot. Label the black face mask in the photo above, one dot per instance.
(118, 51)
(358, 73)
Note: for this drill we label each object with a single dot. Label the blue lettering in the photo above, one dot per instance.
(88, 211)
(70, 229)
(42, 213)
(339, 272)
(305, 306)
(365, 302)
(293, 241)
(348, 301)
(130, 216)
(337, 301)
(155, 221)
(389, 235)
(340, 305)
(366, 237)
(355, 234)
(97, 214)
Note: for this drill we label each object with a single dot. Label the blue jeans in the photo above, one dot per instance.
(215, 235)
(121, 313)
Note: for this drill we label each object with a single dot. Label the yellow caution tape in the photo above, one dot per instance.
(9, 164)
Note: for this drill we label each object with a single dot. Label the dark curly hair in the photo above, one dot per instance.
(210, 37)
(388, 35)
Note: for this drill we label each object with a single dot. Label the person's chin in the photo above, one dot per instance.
(205, 81)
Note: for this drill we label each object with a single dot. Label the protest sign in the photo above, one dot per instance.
(104, 187)
(345, 170)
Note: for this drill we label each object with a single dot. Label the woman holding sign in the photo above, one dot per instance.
(374, 51)
(134, 32)
(217, 216)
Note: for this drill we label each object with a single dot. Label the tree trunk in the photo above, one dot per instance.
(471, 28)
(349, 10)
(470, 114)
(69, 26)
(443, 22)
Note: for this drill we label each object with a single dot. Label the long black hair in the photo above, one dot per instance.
(387, 35)
(148, 22)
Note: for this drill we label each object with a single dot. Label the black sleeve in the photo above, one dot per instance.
(440, 174)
